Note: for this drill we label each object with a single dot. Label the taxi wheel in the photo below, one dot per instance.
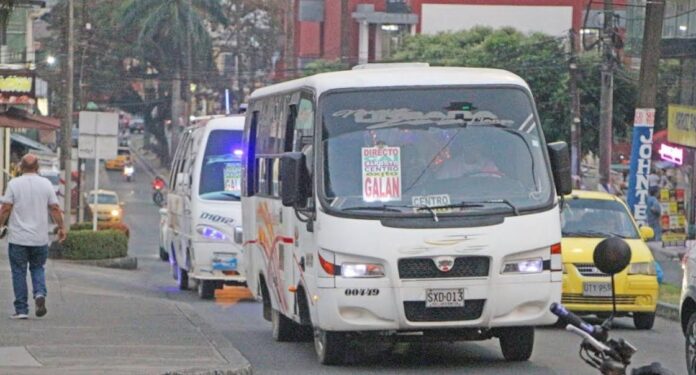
(516, 343)
(206, 289)
(329, 346)
(644, 320)
(283, 327)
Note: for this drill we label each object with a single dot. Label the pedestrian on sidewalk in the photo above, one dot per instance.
(654, 212)
(26, 202)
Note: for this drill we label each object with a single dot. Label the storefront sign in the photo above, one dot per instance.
(17, 87)
(681, 125)
(672, 154)
(641, 152)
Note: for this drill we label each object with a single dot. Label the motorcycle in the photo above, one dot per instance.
(128, 171)
(608, 355)
(157, 195)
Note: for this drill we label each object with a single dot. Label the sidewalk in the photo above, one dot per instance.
(91, 330)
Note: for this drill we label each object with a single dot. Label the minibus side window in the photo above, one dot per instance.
(250, 187)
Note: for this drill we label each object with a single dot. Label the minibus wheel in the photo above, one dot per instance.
(206, 289)
(182, 278)
(516, 343)
(283, 327)
(329, 346)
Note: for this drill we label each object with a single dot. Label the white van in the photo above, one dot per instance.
(204, 205)
(402, 203)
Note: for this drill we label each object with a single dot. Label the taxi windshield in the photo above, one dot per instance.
(395, 151)
(597, 218)
(104, 199)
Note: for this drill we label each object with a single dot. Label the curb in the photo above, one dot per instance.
(238, 364)
(126, 263)
(667, 311)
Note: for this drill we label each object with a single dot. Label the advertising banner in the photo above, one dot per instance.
(673, 219)
(641, 152)
(17, 87)
(681, 125)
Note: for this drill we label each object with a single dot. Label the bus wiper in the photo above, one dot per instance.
(394, 208)
(469, 204)
(431, 210)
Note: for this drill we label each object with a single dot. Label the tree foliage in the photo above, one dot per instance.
(323, 66)
(540, 60)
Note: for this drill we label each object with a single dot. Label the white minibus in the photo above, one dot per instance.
(402, 203)
(204, 206)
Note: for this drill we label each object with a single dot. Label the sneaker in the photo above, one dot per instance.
(40, 306)
(20, 316)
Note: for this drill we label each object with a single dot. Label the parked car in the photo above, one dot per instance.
(123, 157)
(587, 218)
(137, 125)
(109, 208)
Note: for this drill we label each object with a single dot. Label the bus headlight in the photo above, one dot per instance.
(210, 233)
(115, 213)
(359, 270)
(535, 265)
(643, 268)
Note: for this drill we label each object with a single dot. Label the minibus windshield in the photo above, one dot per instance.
(465, 150)
(221, 171)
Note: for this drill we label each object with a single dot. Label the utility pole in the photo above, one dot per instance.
(66, 128)
(575, 131)
(650, 54)
(607, 94)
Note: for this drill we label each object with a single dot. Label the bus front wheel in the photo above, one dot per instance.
(516, 343)
(329, 346)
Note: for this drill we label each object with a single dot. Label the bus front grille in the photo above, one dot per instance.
(425, 268)
(417, 312)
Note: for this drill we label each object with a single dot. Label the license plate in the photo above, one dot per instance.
(596, 289)
(224, 262)
(444, 298)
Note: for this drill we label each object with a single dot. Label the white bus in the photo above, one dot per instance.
(412, 203)
(203, 206)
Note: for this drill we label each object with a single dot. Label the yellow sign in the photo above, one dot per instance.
(15, 84)
(681, 125)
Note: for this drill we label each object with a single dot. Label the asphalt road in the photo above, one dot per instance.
(240, 321)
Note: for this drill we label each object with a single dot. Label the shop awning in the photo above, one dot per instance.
(29, 143)
(17, 118)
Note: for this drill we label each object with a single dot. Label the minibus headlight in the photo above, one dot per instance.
(643, 268)
(115, 213)
(535, 265)
(357, 270)
(210, 233)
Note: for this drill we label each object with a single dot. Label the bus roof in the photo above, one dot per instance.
(397, 76)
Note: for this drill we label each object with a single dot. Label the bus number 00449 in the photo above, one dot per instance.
(362, 292)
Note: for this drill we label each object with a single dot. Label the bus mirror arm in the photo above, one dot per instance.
(560, 164)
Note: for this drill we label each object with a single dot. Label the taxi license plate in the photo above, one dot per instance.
(444, 298)
(596, 289)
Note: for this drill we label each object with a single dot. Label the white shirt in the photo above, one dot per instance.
(30, 196)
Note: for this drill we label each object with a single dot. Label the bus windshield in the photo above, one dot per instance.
(409, 151)
(221, 171)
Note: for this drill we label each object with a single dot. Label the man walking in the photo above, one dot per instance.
(26, 202)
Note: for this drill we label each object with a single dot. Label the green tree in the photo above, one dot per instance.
(172, 36)
(323, 66)
(540, 60)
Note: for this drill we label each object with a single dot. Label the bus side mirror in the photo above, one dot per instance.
(294, 178)
(560, 164)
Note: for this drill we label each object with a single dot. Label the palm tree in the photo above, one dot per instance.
(172, 35)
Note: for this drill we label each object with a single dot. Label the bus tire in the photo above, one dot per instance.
(329, 346)
(206, 289)
(163, 254)
(283, 327)
(182, 279)
(517, 343)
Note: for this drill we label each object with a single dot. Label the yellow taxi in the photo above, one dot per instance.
(108, 207)
(587, 218)
(123, 157)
